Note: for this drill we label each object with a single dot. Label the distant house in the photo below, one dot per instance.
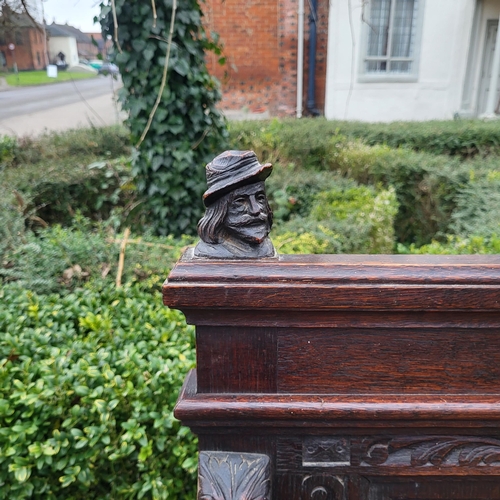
(27, 38)
(376, 60)
(71, 42)
(103, 46)
(412, 59)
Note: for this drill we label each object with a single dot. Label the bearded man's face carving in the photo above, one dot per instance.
(247, 214)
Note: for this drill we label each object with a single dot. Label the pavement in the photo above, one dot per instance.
(63, 106)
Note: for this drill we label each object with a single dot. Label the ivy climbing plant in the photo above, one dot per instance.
(170, 98)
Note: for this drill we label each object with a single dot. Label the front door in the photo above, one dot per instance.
(489, 51)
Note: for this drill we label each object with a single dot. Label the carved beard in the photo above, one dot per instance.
(251, 229)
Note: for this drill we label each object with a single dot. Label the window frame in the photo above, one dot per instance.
(364, 76)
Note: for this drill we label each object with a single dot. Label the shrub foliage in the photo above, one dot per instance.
(429, 187)
(87, 386)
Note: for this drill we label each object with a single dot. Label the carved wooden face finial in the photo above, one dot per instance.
(238, 218)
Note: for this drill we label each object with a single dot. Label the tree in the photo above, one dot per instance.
(11, 9)
(171, 103)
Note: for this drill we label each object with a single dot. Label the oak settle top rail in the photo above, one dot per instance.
(337, 282)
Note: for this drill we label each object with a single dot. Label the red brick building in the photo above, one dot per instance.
(260, 39)
(28, 39)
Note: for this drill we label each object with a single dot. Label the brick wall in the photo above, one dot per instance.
(260, 46)
(29, 53)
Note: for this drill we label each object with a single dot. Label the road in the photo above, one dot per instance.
(62, 106)
(27, 100)
(59, 106)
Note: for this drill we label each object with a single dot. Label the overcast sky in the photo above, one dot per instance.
(77, 13)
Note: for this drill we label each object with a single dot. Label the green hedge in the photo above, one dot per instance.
(463, 138)
(88, 382)
(457, 245)
(58, 174)
(59, 259)
(428, 186)
(337, 214)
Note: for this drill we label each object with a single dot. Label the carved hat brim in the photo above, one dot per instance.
(231, 170)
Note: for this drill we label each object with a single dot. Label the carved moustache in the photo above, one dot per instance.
(248, 220)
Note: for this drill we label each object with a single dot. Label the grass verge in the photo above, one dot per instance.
(27, 78)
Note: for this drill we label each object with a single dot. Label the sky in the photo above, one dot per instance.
(77, 13)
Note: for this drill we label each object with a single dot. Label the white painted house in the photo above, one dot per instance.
(412, 59)
(61, 41)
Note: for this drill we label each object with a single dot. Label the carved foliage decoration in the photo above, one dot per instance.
(459, 451)
(233, 476)
(405, 451)
(322, 487)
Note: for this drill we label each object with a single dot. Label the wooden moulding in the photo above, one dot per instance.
(305, 283)
(308, 411)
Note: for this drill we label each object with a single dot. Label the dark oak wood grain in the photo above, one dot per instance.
(411, 361)
(222, 360)
(360, 377)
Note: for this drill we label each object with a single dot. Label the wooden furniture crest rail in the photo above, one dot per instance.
(343, 377)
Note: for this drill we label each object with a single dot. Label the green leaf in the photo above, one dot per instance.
(100, 404)
(22, 474)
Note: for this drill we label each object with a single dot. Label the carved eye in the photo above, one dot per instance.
(261, 197)
(239, 200)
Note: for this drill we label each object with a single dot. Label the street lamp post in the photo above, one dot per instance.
(12, 49)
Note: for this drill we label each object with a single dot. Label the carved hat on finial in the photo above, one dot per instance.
(231, 170)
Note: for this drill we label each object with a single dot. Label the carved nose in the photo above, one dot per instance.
(253, 206)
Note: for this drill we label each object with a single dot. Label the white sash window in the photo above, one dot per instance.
(391, 27)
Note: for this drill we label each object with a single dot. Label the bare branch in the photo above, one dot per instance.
(27, 12)
(121, 259)
(199, 141)
(153, 5)
(115, 23)
(164, 77)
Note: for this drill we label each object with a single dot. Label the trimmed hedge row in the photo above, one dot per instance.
(429, 187)
(88, 382)
(462, 138)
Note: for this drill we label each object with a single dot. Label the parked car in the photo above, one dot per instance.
(108, 69)
(96, 63)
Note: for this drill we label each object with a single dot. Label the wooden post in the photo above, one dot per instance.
(343, 377)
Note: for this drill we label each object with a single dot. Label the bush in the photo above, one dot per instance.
(12, 226)
(461, 138)
(88, 385)
(103, 142)
(478, 206)
(330, 214)
(62, 259)
(57, 175)
(457, 245)
(8, 151)
(427, 186)
(101, 190)
(308, 137)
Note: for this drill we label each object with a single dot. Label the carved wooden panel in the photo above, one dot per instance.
(427, 451)
(233, 476)
(427, 454)
(436, 488)
(323, 487)
(321, 452)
